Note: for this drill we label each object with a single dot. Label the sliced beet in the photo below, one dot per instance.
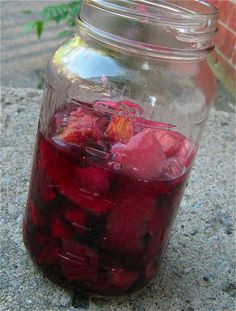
(93, 179)
(47, 249)
(49, 254)
(82, 125)
(170, 141)
(79, 249)
(121, 279)
(59, 168)
(42, 188)
(75, 269)
(78, 262)
(37, 219)
(77, 217)
(128, 223)
(92, 203)
(157, 225)
(95, 226)
(159, 187)
(59, 228)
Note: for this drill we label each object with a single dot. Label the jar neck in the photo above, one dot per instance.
(173, 30)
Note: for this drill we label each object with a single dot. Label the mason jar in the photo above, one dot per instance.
(125, 103)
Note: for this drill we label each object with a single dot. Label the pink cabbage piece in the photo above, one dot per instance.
(178, 150)
(142, 156)
(181, 161)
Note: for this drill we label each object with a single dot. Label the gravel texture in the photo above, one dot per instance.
(198, 271)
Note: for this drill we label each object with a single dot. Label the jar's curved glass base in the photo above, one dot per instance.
(99, 289)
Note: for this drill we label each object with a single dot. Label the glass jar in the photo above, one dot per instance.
(125, 103)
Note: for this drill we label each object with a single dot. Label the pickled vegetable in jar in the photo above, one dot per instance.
(125, 103)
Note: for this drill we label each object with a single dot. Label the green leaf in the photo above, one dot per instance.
(58, 18)
(30, 26)
(55, 12)
(65, 34)
(39, 28)
(66, 12)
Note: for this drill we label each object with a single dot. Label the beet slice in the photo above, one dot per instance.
(128, 223)
(82, 125)
(37, 218)
(59, 168)
(64, 173)
(47, 249)
(77, 217)
(59, 228)
(41, 187)
(121, 279)
(170, 141)
(94, 204)
(93, 179)
(78, 262)
(49, 254)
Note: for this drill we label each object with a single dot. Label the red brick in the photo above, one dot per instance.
(225, 40)
(225, 7)
(225, 10)
(232, 19)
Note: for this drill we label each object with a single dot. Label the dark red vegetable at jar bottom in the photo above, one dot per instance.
(99, 229)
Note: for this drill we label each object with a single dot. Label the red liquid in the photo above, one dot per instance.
(92, 227)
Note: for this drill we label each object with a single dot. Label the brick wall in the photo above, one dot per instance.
(223, 61)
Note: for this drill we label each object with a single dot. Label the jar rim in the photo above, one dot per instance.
(160, 8)
(168, 28)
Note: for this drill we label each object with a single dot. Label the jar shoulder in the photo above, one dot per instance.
(78, 59)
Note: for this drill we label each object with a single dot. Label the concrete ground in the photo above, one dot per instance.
(24, 57)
